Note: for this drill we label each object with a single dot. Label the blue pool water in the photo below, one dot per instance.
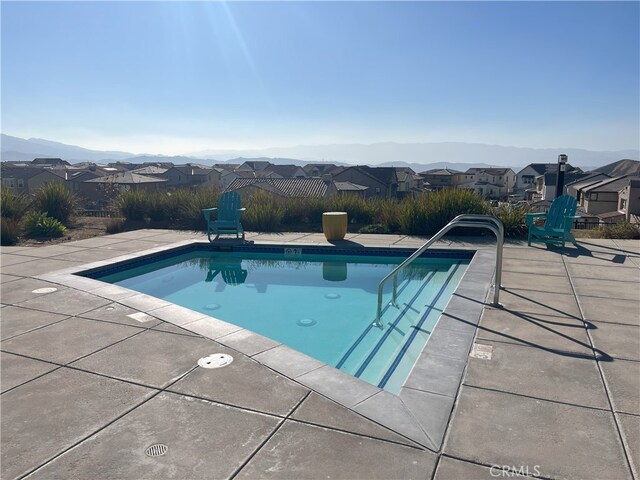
(321, 305)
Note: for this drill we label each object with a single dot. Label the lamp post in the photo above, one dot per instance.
(562, 166)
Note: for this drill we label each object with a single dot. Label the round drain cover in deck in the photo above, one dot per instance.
(216, 360)
(156, 450)
(45, 290)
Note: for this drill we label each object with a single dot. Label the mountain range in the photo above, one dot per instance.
(418, 156)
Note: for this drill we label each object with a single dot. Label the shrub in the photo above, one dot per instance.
(39, 225)
(57, 200)
(133, 204)
(443, 206)
(12, 206)
(185, 207)
(115, 225)
(303, 210)
(622, 230)
(412, 217)
(9, 231)
(158, 206)
(375, 228)
(359, 209)
(513, 218)
(264, 213)
(387, 214)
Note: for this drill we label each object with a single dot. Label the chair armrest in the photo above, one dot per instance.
(242, 209)
(209, 209)
(207, 213)
(574, 217)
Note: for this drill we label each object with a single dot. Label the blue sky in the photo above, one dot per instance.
(181, 77)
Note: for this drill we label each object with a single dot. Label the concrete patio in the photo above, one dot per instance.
(86, 388)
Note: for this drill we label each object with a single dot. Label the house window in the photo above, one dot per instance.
(21, 183)
(623, 204)
(377, 189)
(593, 196)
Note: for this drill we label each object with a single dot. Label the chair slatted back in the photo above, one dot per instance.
(229, 206)
(563, 206)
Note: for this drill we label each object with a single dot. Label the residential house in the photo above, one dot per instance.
(440, 178)
(320, 169)
(284, 187)
(191, 175)
(629, 200)
(286, 171)
(27, 179)
(526, 178)
(380, 181)
(495, 183)
(546, 184)
(100, 191)
(575, 187)
(408, 180)
(603, 196)
(254, 165)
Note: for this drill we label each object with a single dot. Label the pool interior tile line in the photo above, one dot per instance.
(616, 421)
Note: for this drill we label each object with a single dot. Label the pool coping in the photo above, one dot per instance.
(420, 412)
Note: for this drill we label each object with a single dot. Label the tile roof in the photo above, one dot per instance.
(126, 178)
(287, 187)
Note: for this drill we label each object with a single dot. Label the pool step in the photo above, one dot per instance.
(398, 352)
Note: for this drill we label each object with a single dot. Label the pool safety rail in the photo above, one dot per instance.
(489, 222)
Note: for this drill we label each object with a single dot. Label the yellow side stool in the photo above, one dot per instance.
(334, 225)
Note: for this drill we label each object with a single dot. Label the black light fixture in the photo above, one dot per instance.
(562, 166)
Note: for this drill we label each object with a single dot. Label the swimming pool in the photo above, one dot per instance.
(318, 302)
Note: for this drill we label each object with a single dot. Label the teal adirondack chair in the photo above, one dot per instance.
(557, 226)
(228, 218)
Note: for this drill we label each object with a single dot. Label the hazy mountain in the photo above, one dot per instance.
(427, 153)
(423, 156)
(19, 149)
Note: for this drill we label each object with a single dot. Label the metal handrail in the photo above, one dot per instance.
(479, 221)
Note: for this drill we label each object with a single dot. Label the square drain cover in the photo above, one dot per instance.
(484, 352)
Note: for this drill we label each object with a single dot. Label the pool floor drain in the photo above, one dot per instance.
(212, 306)
(156, 450)
(332, 296)
(306, 322)
(215, 360)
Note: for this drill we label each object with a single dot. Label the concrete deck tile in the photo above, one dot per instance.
(68, 340)
(145, 303)
(68, 301)
(17, 370)
(175, 314)
(564, 334)
(151, 358)
(431, 410)
(134, 245)
(388, 410)
(627, 274)
(611, 310)
(87, 255)
(8, 259)
(623, 381)
(301, 451)
(436, 374)
(4, 278)
(211, 327)
(98, 242)
(288, 361)
(244, 383)
(545, 303)
(533, 267)
(611, 289)
(542, 283)
(15, 320)
(170, 328)
(21, 290)
(495, 428)
(539, 373)
(113, 292)
(118, 313)
(619, 341)
(630, 426)
(600, 257)
(453, 469)
(337, 385)
(51, 251)
(532, 253)
(205, 441)
(76, 404)
(138, 234)
(248, 342)
(13, 249)
(38, 266)
(325, 413)
(450, 343)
